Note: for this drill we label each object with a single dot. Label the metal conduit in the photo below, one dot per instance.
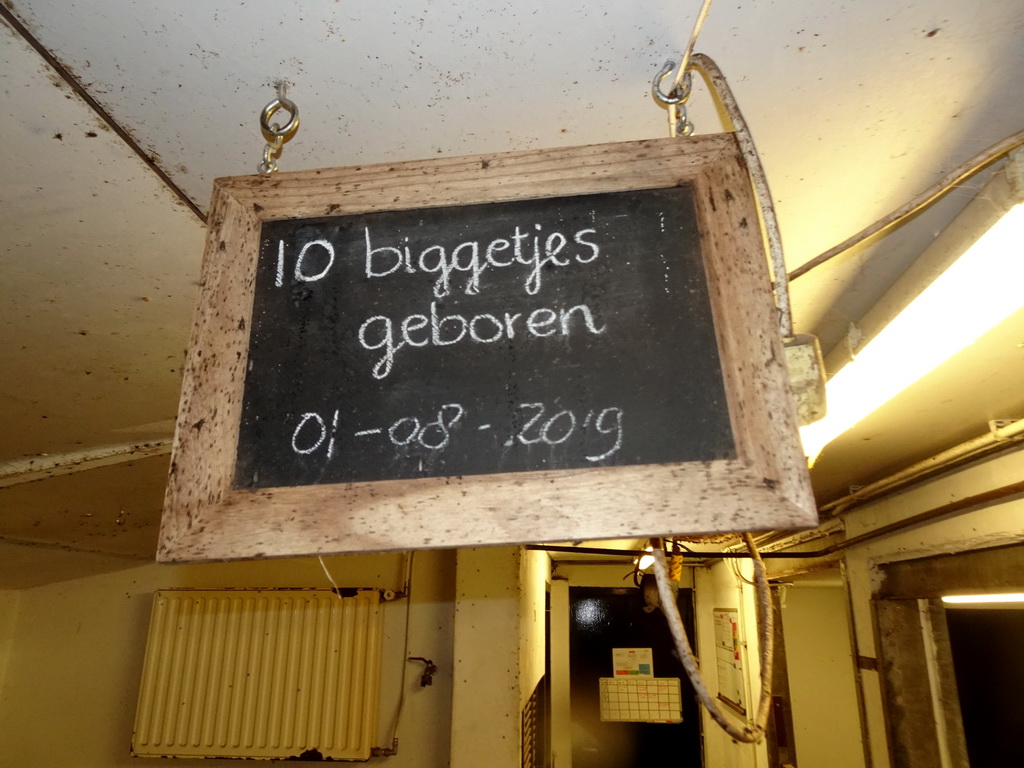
(954, 507)
(997, 438)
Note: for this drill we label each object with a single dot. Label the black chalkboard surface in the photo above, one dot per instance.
(562, 333)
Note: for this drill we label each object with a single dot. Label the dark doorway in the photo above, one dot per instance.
(989, 665)
(601, 619)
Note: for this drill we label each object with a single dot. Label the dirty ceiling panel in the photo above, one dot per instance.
(100, 267)
(855, 106)
(111, 510)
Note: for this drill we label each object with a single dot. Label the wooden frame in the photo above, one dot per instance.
(765, 487)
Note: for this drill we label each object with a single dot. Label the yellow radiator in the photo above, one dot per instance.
(269, 674)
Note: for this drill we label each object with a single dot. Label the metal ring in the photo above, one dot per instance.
(273, 132)
(677, 95)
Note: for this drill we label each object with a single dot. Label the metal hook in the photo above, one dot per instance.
(677, 95)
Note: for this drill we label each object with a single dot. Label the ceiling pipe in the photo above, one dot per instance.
(997, 438)
(689, 554)
(959, 506)
(954, 507)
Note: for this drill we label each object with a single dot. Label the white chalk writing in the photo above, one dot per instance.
(559, 427)
(534, 424)
(388, 336)
(535, 251)
(533, 256)
(530, 250)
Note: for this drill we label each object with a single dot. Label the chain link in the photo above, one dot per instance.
(274, 133)
(270, 154)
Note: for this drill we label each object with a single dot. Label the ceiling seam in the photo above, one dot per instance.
(96, 107)
(46, 466)
(18, 541)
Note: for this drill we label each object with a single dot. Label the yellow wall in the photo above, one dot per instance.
(535, 569)
(996, 522)
(499, 652)
(485, 699)
(721, 587)
(822, 685)
(77, 647)
(9, 600)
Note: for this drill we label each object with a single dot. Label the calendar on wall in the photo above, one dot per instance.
(634, 694)
(641, 700)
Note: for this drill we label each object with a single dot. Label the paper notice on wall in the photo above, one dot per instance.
(633, 662)
(729, 658)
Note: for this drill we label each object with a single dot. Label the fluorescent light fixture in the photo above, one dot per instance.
(977, 292)
(1016, 597)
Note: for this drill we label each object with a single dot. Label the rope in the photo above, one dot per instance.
(747, 733)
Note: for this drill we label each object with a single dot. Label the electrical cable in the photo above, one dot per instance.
(748, 733)
(330, 578)
(405, 652)
(720, 89)
(933, 193)
(684, 61)
(734, 566)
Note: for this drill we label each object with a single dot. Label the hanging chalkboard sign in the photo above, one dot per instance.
(535, 346)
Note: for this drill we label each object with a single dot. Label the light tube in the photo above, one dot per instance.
(978, 291)
(1016, 597)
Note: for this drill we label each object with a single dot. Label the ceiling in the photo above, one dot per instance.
(120, 114)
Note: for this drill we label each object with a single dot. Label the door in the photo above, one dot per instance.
(601, 619)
